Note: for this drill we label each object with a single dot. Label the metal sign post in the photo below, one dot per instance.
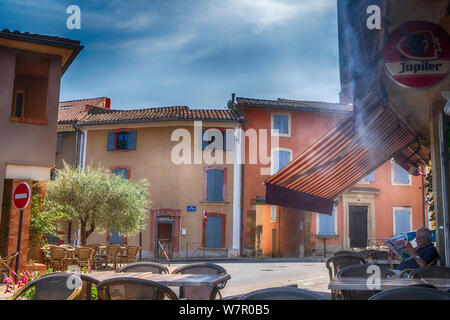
(21, 199)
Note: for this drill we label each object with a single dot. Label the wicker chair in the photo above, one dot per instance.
(336, 263)
(430, 272)
(96, 258)
(58, 259)
(361, 254)
(83, 256)
(201, 293)
(6, 264)
(281, 293)
(128, 288)
(153, 267)
(411, 293)
(405, 272)
(110, 254)
(379, 255)
(52, 287)
(360, 271)
(130, 254)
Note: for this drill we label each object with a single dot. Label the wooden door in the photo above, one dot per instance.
(164, 240)
(358, 226)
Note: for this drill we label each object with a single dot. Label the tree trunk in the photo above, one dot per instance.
(83, 234)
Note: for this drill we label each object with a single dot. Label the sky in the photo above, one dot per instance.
(153, 53)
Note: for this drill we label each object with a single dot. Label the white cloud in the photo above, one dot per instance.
(265, 13)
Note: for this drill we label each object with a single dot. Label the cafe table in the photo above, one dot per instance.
(170, 280)
(385, 284)
(389, 263)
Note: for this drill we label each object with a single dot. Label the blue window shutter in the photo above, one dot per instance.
(132, 139)
(326, 224)
(402, 221)
(285, 158)
(121, 172)
(214, 185)
(110, 141)
(371, 177)
(400, 174)
(281, 122)
(229, 140)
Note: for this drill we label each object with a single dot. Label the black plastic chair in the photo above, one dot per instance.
(411, 293)
(360, 271)
(153, 267)
(201, 293)
(54, 286)
(128, 288)
(281, 293)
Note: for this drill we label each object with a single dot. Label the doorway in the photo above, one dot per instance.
(164, 238)
(358, 232)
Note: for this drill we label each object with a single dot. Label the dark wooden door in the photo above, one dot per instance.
(358, 226)
(164, 240)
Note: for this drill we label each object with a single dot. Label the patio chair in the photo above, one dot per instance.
(281, 293)
(360, 271)
(110, 254)
(130, 254)
(379, 255)
(406, 272)
(83, 256)
(7, 263)
(58, 259)
(201, 293)
(336, 263)
(96, 258)
(411, 293)
(128, 288)
(153, 267)
(351, 253)
(430, 272)
(52, 287)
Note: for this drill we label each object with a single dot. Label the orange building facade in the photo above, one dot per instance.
(386, 202)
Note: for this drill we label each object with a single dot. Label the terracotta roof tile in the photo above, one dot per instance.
(75, 110)
(35, 36)
(98, 116)
(295, 105)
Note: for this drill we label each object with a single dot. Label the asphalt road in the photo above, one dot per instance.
(249, 276)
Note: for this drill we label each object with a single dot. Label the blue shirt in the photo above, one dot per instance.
(428, 254)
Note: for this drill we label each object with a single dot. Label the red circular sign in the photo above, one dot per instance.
(417, 54)
(21, 196)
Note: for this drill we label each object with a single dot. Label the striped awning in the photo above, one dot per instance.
(338, 160)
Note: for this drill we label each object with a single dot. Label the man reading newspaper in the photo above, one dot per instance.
(423, 254)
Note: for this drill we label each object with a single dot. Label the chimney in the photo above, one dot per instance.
(108, 103)
(233, 98)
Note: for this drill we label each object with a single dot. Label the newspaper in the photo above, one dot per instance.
(397, 246)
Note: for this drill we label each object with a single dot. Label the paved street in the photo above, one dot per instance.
(254, 274)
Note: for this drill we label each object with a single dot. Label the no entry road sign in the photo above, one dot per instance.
(21, 196)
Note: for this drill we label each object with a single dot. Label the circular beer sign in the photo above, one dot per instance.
(417, 54)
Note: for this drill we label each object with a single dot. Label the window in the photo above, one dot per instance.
(209, 136)
(402, 220)
(280, 158)
(19, 103)
(59, 142)
(273, 213)
(327, 223)
(121, 171)
(30, 91)
(369, 178)
(282, 123)
(214, 185)
(121, 140)
(399, 176)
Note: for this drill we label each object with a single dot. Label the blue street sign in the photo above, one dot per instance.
(191, 208)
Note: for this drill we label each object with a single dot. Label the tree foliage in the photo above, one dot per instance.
(100, 200)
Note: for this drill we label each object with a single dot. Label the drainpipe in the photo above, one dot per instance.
(242, 121)
(77, 129)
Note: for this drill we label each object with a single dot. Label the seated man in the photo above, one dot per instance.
(422, 255)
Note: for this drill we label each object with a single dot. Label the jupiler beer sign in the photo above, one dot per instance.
(417, 54)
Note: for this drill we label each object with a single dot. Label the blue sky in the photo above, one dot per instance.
(191, 52)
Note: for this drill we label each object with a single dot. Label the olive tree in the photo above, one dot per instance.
(99, 200)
